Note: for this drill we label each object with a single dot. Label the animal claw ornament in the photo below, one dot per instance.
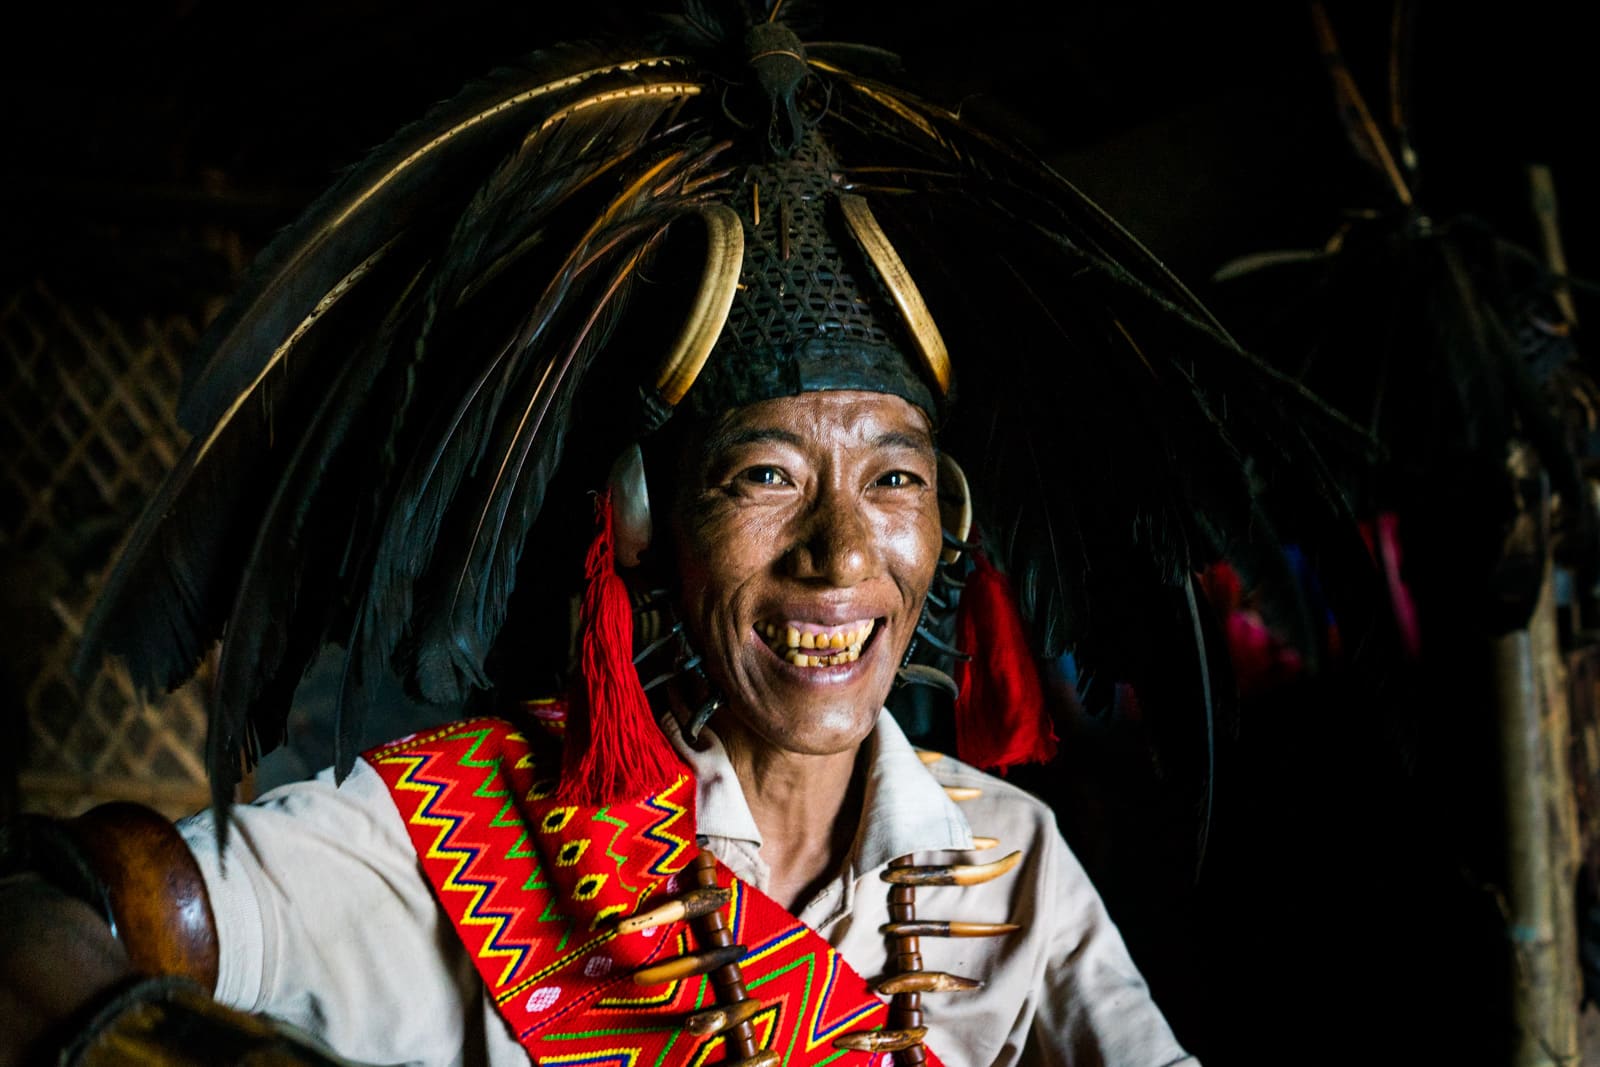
(690, 905)
(927, 982)
(723, 1017)
(687, 966)
(953, 874)
(881, 1040)
(945, 928)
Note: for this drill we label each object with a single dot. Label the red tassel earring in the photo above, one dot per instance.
(614, 751)
(1000, 713)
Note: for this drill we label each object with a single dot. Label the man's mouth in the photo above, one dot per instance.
(809, 644)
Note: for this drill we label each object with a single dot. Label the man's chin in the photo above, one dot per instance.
(805, 728)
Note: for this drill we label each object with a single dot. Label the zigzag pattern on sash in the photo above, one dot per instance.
(451, 846)
(674, 856)
(509, 866)
(483, 832)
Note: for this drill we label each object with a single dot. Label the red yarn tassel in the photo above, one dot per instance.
(1000, 714)
(614, 751)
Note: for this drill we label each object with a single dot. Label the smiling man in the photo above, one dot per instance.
(408, 412)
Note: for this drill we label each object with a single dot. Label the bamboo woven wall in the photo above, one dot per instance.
(87, 429)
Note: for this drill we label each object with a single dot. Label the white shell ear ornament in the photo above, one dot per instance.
(632, 531)
(630, 506)
(955, 521)
(955, 508)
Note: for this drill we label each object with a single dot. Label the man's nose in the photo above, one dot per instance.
(835, 546)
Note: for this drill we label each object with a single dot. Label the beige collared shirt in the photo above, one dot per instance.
(326, 921)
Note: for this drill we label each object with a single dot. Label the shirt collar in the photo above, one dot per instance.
(906, 808)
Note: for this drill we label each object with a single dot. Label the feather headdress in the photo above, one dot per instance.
(420, 378)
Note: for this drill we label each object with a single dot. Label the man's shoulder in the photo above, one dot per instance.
(532, 725)
(988, 800)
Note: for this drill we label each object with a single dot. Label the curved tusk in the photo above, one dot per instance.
(881, 1040)
(718, 283)
(691, 905)
(951, 874)
(724, 1017)
(927, 982)
(907, 297)
(690, 965)
(944, 928)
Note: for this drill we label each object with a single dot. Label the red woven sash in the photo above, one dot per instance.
(533, 889)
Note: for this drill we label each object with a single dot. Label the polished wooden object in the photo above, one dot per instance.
(158, 899)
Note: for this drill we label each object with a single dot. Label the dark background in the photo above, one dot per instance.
(1207, 128)
(1346, 908)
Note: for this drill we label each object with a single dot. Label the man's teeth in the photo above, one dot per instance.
(809, 648)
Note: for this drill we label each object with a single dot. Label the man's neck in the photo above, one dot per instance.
(807, 809)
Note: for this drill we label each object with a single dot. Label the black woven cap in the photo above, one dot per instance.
(810, 314)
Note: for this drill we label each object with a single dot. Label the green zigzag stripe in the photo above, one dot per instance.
(604, 815)
(469, 758)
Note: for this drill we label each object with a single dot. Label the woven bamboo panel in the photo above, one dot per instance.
(87, 429)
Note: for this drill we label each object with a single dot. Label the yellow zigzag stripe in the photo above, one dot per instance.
(438, 850)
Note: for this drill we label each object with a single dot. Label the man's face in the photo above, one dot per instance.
(807, 533)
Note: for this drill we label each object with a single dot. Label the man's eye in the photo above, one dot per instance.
(763, 476)
(899, 480)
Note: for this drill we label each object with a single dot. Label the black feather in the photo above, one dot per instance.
(279, 618)
(428, 169)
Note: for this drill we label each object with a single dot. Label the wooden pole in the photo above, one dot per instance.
(1541, 817)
